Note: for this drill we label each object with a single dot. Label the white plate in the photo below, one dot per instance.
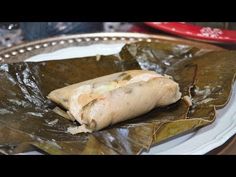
(198, 142)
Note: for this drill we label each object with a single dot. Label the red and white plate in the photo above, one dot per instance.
(196, 32)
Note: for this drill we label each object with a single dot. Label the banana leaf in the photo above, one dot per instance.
(27, 119)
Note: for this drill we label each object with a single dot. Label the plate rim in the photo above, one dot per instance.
(62, 40)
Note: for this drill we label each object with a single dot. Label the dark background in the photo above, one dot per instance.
(12, 33)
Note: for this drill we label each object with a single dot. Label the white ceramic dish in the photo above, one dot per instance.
(198, 142)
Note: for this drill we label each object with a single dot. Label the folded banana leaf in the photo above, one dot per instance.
(27, 117)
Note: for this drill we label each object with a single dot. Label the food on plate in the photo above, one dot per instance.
(114, 98)
(204, 77)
